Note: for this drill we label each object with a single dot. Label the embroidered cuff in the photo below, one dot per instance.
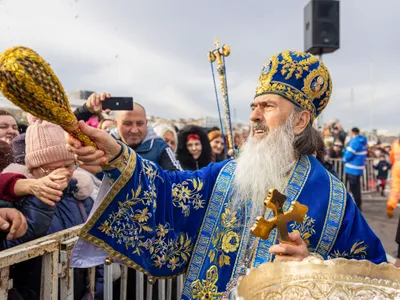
(116, 167)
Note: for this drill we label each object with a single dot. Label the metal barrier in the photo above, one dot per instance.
(368, 180)
(57, 278)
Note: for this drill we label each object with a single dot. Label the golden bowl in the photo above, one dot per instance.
(316, 279)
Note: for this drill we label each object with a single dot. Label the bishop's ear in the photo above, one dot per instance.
(301, 120)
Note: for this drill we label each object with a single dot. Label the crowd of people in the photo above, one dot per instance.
(353, 150)
(43, 190)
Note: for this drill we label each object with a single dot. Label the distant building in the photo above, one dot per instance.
(78, 98)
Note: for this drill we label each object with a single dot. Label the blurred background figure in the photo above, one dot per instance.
(395, 184)
(168, 133)
(6, 155)
(217, 145)
(354, 159)
(194, 149)
(383, 168)
(106, 124)
(8, 127)
(336, 150)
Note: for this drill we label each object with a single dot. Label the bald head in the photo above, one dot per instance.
(132, 125)
(137, 108)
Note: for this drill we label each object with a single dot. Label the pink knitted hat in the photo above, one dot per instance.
(45, 144)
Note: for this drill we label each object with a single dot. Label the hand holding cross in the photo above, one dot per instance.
(275, 201)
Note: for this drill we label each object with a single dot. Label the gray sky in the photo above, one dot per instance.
(156, 51)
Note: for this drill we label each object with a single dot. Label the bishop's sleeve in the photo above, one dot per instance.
(355, 239)
(150, 218)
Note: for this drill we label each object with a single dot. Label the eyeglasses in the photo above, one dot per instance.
(71, 168)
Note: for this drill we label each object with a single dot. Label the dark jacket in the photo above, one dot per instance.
(82, 113)
(333, 154)
(341, 136)
(383, 168)
(18, 145)
(42, 220)
(185, 158)
(155, 149)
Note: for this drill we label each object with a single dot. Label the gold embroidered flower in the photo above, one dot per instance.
(185, 193)
(206, 289)
(149, 171)
(142, 215)
(228, 218)
(162, 230)
(172, 263)
(230, 242)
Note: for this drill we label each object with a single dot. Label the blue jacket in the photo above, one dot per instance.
(43, 220)
(155, 149)
(355, 156)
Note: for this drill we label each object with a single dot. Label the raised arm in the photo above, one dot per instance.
(149, 218)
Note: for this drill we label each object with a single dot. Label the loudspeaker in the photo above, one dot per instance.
(321, 26)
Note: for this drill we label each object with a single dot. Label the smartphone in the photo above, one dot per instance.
(118, 103)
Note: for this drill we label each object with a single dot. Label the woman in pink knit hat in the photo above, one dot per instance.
(45, 153)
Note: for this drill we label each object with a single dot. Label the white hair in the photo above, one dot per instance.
(162, 128)
(262, 165)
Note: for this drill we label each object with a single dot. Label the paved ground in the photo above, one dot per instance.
(374, 210)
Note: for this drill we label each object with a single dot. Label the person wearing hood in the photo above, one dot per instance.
(194, 149)
(354, 159)
(133, 130)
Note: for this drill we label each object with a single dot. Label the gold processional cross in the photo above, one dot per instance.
(275, 201)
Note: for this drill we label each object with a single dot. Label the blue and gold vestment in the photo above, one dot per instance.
(165, 223)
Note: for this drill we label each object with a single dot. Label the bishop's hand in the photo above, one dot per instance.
(89, 158)
(291, 252)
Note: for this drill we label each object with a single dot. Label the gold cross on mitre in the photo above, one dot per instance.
(275, 201)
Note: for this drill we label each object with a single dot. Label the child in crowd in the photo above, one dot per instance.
(383, 168)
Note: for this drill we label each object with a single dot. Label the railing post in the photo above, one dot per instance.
(4, 282)
(49, 280)
(108, 283)
(179, 286)
(161, 289)
(169, 289)
(124, 282)
(92, 280)
(139, 285)
(149, 292)
(67, 273)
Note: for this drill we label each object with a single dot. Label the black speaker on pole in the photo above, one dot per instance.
(321, 26)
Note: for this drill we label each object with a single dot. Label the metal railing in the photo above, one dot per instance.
(368, 180)
(57, 278)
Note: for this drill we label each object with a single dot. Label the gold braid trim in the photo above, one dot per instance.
(115, 189)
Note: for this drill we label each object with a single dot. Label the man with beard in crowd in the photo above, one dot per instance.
(150, 219)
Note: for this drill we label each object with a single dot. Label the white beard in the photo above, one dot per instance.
(262, 165)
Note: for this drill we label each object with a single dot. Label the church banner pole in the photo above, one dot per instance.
(219, 54)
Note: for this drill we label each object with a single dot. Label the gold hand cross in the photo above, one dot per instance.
(275, 201)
